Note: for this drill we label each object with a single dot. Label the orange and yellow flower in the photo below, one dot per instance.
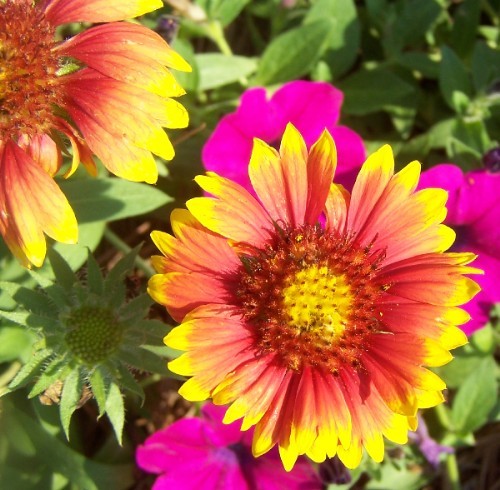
(318, 334)
(106, 90)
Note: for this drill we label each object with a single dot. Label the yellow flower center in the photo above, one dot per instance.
(28, 69)
(310, 298)
(317, 301)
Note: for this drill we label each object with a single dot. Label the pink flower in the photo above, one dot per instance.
(202, 453)
(474, 213)
(309, 106)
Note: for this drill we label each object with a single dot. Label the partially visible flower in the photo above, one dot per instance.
(88, 338)
(106, 90)
(312, 311)
(430, 448)
(474, 213)
(202, 453)
(311, 107)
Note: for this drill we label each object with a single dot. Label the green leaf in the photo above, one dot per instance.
(294, 53)
(33, 300)
(89, 237)
(144, 360)
(56, 370)
(217, 70)
(475, 398)
(115, 409)
(344, 41)
(136, 309)
(485, 66)
(110, 199)
(129, 383)
(420, 62)
(98, 386)
(465, 24)
(62, 271)
(70, 396)
(57, 457)
(95, 280)
(370, 91)
(453, 77)
(188, 80)
(30, 369)
(15, 343)
(223, 10)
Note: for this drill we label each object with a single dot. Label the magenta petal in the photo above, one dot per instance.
(271, 476)
(309, 106)
(219, 471)
(184, 440)
(221, 434)
(351, 154)
(450, 178)
(480, 306)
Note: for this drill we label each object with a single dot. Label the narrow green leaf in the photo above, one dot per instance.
(144, 360)
(485, 66)
(475, 398)
(115, 409)
(62, 271)
(30, 369)
(153, 331)
(122, 267)
(98, 386)
(70, 396)
(52, 372)
(94, 276)
(26, 318)
(136, 309)
(109, 199)
(31, 299)
(453, 77)
(294, 53)
(129, 383)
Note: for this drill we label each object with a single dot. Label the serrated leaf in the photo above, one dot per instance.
(453, 77)
(26, 318)
(370, 91)
(475, 398)
(62, 271)
(30, 369)
(115, 410)
(30, 299)
(95, 279)
(153, 331)
(98, 387)
(70, 396)
(136, 309)
(110, 199)
(344, 40)
(51, 373)
(294, 53)
(129, 383)
(122, 267)
(144, 360)
(217, 70)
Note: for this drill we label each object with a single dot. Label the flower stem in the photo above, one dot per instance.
(452, 471)
(120, 245)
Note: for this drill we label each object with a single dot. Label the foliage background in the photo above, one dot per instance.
(422, 75)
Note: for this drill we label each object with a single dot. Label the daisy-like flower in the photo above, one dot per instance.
(201, 453)
(319, 335)
(106, 91)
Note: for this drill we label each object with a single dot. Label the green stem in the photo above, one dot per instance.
(7, 376)
(442, 415)
(452, 471)
(120, 245)
(216, 33)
